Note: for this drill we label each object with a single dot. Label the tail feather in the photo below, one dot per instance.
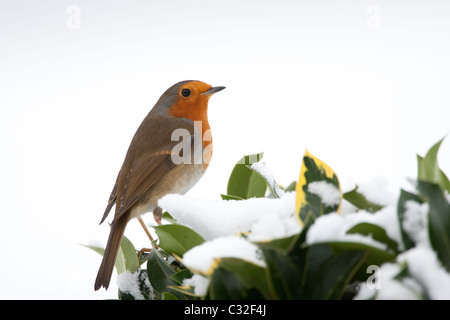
(110, 255)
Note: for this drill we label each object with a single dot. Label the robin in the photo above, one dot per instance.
(152, 166)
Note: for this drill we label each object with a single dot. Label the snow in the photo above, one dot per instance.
(271, 227)
(199, 282)
(424, 266)
(347, 207)
(334, 227)
(222, 223)
(427, 278)
(387, 219)
(415, 222)
(327, 192)
(385, 287)
(264, 171)
(377, 190)
(214, 218)
(129, 283)
(203, 258)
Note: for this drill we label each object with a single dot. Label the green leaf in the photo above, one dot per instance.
(275, 190)
(284, 276)
(297, 249)
(404, 197)
(377, 233)
(177, 239)
(179, 276)
(159, 273)
(228, 285)
(428, 168)
(252, 276)
(127, 258)
(168, 296)
(225, 285)
(444, 182)
(359, 200)
(281, 243)
(99, 250)
(328, 275)
(291, 187)
(129, 255)
(143, 257)
(244, 182)
(227, 197)
(186, 292)
(438, 220)
(166, 216)
(309, 206)
(374, 256)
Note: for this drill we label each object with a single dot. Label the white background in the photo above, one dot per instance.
(363, 85)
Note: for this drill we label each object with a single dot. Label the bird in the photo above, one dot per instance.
(159, 162)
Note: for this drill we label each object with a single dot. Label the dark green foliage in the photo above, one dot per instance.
(293, 268)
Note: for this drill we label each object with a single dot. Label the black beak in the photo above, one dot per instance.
(213, 90)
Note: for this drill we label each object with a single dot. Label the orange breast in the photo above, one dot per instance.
(197, 111)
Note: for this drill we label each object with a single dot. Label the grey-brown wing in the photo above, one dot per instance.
(144, 174)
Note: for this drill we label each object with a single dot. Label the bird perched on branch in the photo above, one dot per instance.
(169, 153)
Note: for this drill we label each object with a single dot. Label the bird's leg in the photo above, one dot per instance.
(145, 228)
(144, 250)
(157, 214)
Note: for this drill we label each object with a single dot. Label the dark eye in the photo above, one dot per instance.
(185, 92)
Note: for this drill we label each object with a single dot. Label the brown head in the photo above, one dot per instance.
(189, 100)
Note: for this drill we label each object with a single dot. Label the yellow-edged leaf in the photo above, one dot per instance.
(318, 190)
